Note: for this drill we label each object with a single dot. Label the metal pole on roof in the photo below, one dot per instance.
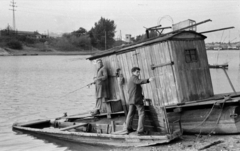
(204, 32)
(188, 27)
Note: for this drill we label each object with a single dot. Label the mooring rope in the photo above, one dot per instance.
(218, 118)
(204, 118)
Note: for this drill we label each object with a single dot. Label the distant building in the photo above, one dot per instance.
(34, 35)
(128, 38)
(29, 34)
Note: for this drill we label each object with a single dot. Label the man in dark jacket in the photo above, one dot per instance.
(136, 101)
(101, 88)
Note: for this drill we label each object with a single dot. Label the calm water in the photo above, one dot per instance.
(31, 88)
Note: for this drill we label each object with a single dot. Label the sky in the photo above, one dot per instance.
(130, 16)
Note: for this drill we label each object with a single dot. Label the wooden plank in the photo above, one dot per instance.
(113, 126)
(152, 85)
(125, 74)
(175, 70)
(204, 67)
(154, 58)
(183, 76)
(168, 74)
(162, 65)
(159, 75)
(160, 71)
(74, 126)
(144, 71)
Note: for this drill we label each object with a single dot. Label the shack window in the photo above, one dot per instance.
(191, 55)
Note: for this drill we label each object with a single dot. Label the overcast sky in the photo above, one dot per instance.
(130, 16)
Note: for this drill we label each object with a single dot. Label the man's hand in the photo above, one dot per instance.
(95, 79)
(151, 79)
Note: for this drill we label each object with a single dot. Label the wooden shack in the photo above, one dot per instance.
(177, 61)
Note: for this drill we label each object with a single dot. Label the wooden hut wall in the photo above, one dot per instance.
(111, 63)
(163, 90)
(194, 77)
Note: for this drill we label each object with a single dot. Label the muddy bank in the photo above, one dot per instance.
(195, 143)
(3, 52)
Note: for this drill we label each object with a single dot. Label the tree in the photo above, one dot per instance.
(81, 31)
(102, 34)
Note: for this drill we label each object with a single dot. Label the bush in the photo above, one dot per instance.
(14, 44)
(63, 44)
(26, 39)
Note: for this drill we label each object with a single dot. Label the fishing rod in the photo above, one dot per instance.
(88, 85)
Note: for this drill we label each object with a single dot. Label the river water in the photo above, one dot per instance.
(38, 87)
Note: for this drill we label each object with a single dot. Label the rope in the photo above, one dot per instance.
(204, 118)
(212, 131)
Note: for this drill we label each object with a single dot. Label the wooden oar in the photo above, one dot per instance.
(74, 126)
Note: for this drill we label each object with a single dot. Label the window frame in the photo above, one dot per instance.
(191, 55)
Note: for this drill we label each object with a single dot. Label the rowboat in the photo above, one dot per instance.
(97, 130)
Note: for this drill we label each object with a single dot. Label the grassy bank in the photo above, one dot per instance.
(31, 51)
(20, 45)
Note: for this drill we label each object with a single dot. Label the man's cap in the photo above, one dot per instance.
(135, 69)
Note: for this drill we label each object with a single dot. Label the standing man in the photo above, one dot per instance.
(101, 87)
(136, 101)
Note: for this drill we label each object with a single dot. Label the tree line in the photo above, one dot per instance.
(100, 37)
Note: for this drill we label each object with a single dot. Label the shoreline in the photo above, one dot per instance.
(35, 52)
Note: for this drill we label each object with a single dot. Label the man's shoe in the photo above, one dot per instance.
(143, 133)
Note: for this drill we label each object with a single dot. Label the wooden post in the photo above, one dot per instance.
(229, 80)
(113, 126)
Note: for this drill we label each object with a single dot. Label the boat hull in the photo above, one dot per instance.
(96, 138)
(209, 120)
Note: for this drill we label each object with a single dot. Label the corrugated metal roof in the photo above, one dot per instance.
(122, 49)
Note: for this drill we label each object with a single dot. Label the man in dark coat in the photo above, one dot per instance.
(101, 88)
(136, 101)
